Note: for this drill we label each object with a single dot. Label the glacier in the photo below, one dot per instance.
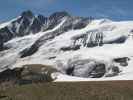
(66, 45)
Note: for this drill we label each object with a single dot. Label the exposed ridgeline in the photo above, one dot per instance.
(28, 23)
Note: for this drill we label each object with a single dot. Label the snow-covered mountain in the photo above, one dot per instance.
(83, 48)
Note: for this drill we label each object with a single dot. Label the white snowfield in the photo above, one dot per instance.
(106, 53)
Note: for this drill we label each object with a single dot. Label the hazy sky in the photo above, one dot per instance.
(113, 9)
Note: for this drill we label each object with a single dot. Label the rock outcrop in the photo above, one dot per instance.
(89, 68)
(123, 61)
(28, 74)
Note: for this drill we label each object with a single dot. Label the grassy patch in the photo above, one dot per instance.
(116, 90)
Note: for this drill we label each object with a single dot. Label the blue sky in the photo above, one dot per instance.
(113, 9)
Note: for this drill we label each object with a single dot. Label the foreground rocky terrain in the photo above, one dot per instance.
(27, 74)
(76, 47)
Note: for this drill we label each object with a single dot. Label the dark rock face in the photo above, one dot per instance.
(69, 71)
(1, 43)
(18, 27)
(122, 61)
(29, 51)
(114, 71)
(86, 68)
(10, 75)
(76, 47)
(5, 35)
(35, 73)
(3, 32)
(28, 74)
(98, 71)
(25, 24)
(39, 24)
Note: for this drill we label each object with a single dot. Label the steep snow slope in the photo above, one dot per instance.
(18, 44)
(7, 23)
(51, 52)
(122, 28)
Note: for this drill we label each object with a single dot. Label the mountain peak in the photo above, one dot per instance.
(59, 14)
(27, 13)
